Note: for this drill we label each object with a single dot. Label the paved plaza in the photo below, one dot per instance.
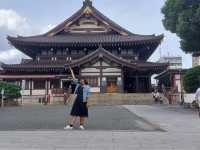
(110, 128)
(54, 118)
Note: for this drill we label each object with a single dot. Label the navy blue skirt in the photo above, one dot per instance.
(79, 108)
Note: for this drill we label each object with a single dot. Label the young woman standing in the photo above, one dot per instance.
(80, 106)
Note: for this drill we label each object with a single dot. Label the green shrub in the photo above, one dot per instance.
(11, 91)
(191, 80)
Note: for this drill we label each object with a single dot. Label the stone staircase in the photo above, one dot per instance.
(100, 99)
(30, 100)
(113, 99)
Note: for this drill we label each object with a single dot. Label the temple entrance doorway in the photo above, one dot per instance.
(137, 84)
(112, 85)
(130, 85)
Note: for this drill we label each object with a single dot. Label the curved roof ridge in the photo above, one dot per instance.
(111, 21)
(101, 53)
(101, 36)
(80, 12)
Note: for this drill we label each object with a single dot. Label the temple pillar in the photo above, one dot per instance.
(120, 84)
(47, 86)
(31, 87)
(149, 86)
(61, 84)
(29, 84)
(101, 77)
(137, 83)
(103, 85)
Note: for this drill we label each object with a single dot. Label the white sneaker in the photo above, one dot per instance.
(81, 127)
(68, 127)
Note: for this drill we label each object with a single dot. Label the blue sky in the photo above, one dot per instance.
(30, 17)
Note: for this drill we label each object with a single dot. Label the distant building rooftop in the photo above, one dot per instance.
(174, 62)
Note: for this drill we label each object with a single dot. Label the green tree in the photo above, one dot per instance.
(11, 91)
(191, 80)
(183, 18)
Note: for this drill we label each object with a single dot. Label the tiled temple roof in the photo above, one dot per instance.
(85, 39)
(98, 54)
(170, 71)
(118, 37)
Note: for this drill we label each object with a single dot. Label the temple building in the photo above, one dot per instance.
(111, 58)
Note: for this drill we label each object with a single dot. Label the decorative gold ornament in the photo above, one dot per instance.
(88, 10)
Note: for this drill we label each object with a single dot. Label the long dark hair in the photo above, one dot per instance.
(85, 81)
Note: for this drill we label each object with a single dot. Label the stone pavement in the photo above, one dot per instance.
(182, 133)
(54, 118)
(173, 119)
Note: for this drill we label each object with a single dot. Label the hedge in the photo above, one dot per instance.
(11, 91)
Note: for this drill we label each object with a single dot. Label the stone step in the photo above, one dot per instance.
(113, 99)
(100, 99)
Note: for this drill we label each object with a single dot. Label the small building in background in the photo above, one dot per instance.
(170, 82)
(174, 62)
(171, 78)
(195, 61)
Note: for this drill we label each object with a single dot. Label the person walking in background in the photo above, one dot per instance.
(80, 106)
(197, 97)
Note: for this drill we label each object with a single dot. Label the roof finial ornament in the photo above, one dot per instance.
(87, 2)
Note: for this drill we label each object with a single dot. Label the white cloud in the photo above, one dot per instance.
(47, 28)
(12, 56)
(12, 21)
